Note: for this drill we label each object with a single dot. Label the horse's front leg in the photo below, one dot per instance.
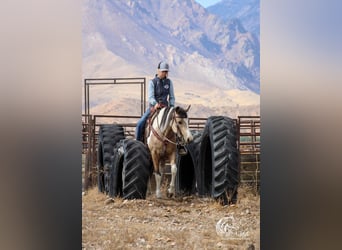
(158, 182)
(157, 173)
(171, 190)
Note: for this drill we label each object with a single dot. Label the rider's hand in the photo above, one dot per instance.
(157, 106)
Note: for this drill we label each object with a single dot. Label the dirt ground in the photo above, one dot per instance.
(184, 222)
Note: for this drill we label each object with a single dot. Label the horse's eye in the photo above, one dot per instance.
(180, 122)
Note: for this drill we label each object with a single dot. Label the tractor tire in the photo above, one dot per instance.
(218, 159)
(233, 173)
(109, 135)
(188, 173)
(132, 168)
(115, 179)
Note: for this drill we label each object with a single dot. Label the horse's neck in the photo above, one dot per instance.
(163, 120)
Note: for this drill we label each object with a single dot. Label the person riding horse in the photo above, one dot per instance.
(160, 94)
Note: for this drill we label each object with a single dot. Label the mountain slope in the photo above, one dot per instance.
(126, 38)
(247, 11)
(181, 32)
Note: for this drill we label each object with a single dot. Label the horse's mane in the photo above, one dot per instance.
(169, 111)
(166, 118)
(166, 115)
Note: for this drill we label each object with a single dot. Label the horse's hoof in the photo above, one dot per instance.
(170, 194)
(158, 195)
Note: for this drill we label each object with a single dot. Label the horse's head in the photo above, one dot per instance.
(180, 125)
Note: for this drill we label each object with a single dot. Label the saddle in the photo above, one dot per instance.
(147, 126)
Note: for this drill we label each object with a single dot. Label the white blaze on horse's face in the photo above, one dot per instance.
(181, 128)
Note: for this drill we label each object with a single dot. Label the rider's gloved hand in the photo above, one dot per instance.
(157, 106)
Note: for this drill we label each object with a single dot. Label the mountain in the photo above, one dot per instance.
(247, 11)
(127, 38)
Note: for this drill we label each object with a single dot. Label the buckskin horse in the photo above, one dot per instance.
(168, 128)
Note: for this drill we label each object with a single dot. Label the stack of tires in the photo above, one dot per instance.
(109, 136)
(130, 170)
(124, 165)
(211, 167)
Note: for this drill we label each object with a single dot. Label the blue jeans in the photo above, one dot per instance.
(139, 131)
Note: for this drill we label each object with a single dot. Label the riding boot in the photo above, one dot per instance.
(140, 136)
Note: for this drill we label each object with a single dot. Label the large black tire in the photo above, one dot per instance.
(132, 168)
(109, 135)
(233, 173)
(218, 159)
(188, 179)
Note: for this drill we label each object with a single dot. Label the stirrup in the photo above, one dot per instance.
(182, 150)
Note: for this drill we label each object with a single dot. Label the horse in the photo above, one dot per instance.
(168, 128)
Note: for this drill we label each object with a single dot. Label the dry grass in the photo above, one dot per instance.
(178, 223)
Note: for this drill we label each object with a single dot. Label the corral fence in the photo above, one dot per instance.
(248, 128)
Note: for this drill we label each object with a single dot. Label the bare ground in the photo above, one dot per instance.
(187, 222)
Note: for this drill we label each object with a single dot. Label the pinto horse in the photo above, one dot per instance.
(168, 128)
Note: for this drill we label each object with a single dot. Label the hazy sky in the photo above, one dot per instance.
(206, 3)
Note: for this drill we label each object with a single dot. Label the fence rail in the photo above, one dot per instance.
(249, 147)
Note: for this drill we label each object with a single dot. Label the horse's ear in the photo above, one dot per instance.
(188, 108)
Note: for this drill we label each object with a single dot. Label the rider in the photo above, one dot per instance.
(160, 93)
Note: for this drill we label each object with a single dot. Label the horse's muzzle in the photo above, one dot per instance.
(189, 138)
(185, 140)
